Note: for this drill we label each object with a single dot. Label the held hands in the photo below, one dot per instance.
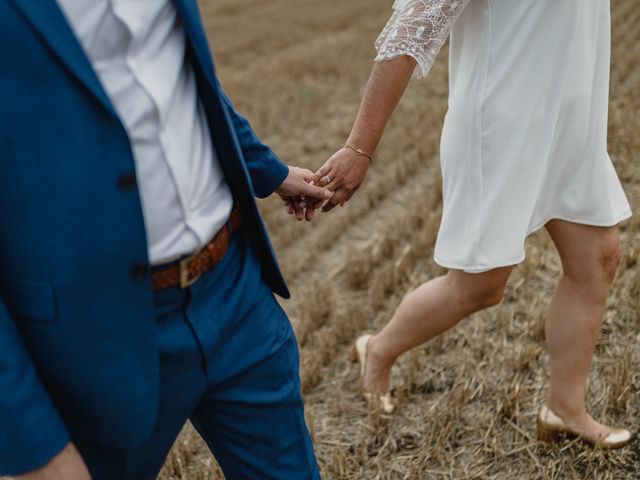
(300, 195)
(344, 171)
(304, 192)
(342, 174)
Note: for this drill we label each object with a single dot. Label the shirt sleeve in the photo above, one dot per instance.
(418, 28)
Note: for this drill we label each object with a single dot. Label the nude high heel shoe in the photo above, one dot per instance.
(550, 427)
(359, 353)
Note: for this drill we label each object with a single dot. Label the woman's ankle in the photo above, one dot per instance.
(377, 353)
(567, 411)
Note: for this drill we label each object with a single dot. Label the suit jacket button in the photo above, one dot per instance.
(127, 182)
(140, 271)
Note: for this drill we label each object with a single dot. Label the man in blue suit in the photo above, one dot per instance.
(136, 277)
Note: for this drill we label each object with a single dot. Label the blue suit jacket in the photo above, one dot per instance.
(77, 343)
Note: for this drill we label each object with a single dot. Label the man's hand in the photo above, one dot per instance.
(300, 196)
(67, 465)
(342, 173)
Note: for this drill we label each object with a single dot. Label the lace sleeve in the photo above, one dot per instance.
(418, 28)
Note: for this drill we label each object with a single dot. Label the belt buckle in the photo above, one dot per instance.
(185, 280)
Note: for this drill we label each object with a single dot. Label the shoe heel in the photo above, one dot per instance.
(546, 434)
(353, 354)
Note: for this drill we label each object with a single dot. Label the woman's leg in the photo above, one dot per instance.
(590, 257)
(432, 308)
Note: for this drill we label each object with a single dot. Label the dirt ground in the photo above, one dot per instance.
(467, 400)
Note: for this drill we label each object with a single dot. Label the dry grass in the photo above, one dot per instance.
(467, 399)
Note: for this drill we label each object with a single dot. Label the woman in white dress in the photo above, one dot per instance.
(524, 146)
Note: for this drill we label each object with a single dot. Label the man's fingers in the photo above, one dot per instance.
(293, 207)
(291, 204)
(310, 212)
(309, 190)
(306, 174)
(315, 204)
(288, 206)
(296, 203)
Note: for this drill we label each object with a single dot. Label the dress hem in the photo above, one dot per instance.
(627, 214)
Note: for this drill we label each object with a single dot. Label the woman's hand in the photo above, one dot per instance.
(300, 196)
(342, 173)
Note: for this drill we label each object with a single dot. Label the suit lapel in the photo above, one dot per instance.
(200, 56)
(48, 21)
(190, 16)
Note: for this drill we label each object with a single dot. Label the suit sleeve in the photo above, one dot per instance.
(266, 170)
(31, 429)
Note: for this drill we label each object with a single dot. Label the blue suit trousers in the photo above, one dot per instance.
(229, 363)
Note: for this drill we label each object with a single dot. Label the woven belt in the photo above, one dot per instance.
(188, 270)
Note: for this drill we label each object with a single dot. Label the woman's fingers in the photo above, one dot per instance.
(322, 171)
(320, 191)
(328, 207)
(333, 179)
(326, 179)
(339, 196)
(316, 204)
(350, 194)
(329, 176)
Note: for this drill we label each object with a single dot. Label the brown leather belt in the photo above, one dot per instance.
(188, 270)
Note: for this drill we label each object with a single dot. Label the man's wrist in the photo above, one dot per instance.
(284, 179)
(272, 179)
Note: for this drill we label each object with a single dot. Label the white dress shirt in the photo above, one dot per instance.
(137, 50)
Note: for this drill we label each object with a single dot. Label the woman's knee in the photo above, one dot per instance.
(600, 267)
(611, 256)
(489, 296)
(479, 291)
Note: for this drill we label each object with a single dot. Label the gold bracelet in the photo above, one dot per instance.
(360, 153)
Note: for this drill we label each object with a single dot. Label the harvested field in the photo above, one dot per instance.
(468, 400)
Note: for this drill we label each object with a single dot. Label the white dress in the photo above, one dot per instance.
(525, 136)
